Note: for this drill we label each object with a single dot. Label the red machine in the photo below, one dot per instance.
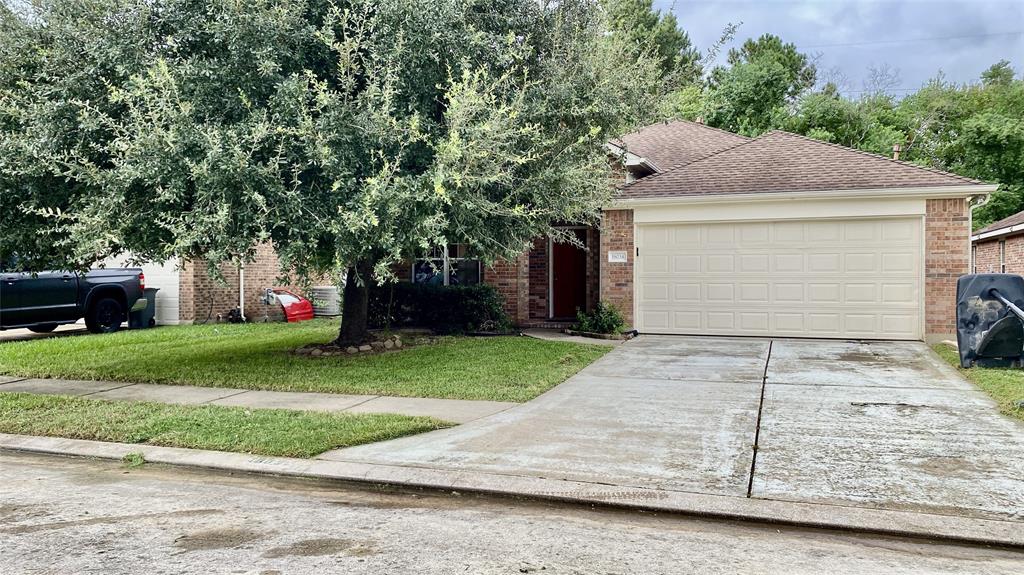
(296, 307)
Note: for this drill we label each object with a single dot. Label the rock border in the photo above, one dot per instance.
(388, 343)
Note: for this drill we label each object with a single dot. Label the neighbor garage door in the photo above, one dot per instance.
(853, 278)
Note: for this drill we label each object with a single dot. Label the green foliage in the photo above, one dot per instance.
(1004, 385)
(604, 318)
(340, 131)
(687, 103)
(443, 309)
(657, 34)
(762, 77)
(133, 460)
(975, 130)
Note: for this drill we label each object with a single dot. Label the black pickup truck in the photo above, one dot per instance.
(40, 301)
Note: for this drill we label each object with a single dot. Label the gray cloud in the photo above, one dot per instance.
(852, 36)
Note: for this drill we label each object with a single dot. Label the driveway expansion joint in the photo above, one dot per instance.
(757, 424)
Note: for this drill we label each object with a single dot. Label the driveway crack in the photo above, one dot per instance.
(757, 426)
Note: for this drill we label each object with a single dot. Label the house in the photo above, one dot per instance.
(715, 233)
(999, 247)
(189, 294)
(779, 235)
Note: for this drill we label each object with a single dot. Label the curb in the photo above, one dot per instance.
(947, 528)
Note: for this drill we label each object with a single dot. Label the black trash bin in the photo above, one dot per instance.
(145, 317)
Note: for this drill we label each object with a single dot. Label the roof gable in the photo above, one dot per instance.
(784, 162)
(1008, 222)
(670, 144)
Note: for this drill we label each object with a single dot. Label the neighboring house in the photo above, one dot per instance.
(999, 247)
(189, 294)
(779, 235)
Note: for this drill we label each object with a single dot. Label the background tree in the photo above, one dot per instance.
(657, 34)
(761, 78)
(349, 134)
(976, 130)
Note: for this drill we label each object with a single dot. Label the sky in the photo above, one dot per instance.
(912, 38)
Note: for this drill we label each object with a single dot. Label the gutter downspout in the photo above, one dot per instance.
(970, 226)
(241, 290)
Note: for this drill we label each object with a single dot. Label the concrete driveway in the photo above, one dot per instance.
(881, 424)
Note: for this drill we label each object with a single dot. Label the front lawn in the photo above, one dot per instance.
(258, 431)
(256, 356)
(1005, 385)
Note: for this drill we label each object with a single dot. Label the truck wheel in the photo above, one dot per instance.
(43, 328)
(105, 316)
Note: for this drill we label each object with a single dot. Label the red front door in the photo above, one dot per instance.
(568, 278)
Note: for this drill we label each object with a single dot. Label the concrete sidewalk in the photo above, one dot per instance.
(454, 410)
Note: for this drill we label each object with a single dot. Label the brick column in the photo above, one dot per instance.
(511, 279)
(617, 277)
(947, 256)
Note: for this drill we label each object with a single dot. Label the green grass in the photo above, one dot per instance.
(258, 431)
(1005, 385)
(255, 356)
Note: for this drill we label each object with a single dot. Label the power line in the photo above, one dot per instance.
(913, 40)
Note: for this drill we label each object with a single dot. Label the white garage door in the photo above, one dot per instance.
(822, 278)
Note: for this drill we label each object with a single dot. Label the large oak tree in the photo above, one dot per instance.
(350, 134)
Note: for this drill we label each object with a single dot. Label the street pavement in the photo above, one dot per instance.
(65, 515)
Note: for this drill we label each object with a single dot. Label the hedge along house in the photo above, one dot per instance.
(999, 247)
(781, 235)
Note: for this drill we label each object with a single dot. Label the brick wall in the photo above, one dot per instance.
(947, 257)
(986, 255)
(593, 267)
(1014, 255)
(202, 297)
(509, 278)
(617, 278)
(538, 279)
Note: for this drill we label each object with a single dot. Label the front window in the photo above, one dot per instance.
(447, 265)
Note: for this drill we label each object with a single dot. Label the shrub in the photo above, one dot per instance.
(604, 318)
(444, 309)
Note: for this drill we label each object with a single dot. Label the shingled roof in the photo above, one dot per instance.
(670, 144)
(783, 162)
(1014, 220)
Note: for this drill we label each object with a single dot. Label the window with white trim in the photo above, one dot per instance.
(447, 265)
(1002, 256)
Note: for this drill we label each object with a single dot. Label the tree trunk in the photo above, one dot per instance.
(355, 307)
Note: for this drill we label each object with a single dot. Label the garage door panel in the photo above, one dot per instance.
(721, 263)
(861, 263)
(754, 263)
(902, 262)
(754, 292)
(824, 263)
(686, 264)
(756, 234)
(824, 278)
(789, 263)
